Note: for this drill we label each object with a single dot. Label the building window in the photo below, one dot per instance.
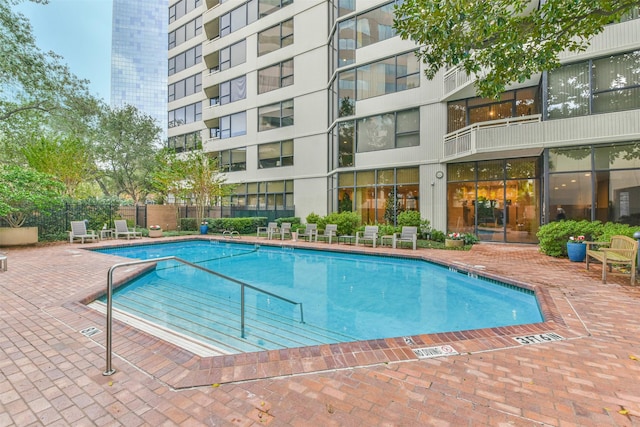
(232, 160)
(185, 115)
(249, 12)
(233, 55)
(378, 195)
(185, 87)
(181, 8)
(275, 76)
(498, 200)
(276, 37)
(515, 103)
(233, 125)
(386, 131)
(600, 182)
(233, 90)
(184, 60)
(375, 26)
(363, 30)
(270, 195)
(187, 142)
(275, 115)
(275, 155)
(186, 32)
(602, 85)
(239, 17)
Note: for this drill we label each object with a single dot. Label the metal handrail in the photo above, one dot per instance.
(109, 369)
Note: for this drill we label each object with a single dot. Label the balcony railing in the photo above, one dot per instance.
(456, 77)
(463, 141)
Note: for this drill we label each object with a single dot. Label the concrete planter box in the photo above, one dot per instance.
(155, 233)
(18, 236)
(449, 243)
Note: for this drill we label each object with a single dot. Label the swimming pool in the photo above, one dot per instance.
(346, 297)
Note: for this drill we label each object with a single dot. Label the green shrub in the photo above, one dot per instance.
(437, 236)
(294, 220)
(189, 224)
(553, 237)
(387, 230)
(246, 225)
(604, 233)
(347, 222)
(313, 218)
(470, 239)
(408, 219)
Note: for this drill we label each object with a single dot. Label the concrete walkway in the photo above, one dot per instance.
(51, 374)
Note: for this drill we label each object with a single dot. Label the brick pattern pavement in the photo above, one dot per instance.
(50, 374)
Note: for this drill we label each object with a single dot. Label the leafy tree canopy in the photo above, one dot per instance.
(126, 151)
(24, 190)
(67, 159)
(36, 87)
(191, 176)
(502, 41)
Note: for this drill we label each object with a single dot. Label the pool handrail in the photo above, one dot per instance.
(109, 368)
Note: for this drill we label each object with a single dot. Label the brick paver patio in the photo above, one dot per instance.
(51, 374)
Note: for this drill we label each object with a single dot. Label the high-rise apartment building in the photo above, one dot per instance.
(318, 106)
(139, 57)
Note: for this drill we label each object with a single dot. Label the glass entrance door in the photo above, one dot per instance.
(490, 211)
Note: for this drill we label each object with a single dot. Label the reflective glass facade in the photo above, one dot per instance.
(139, 57)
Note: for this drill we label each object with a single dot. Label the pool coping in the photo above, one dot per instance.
(180, 369)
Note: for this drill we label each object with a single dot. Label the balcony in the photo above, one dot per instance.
(528, 135)
(476, 138)
(455, 80)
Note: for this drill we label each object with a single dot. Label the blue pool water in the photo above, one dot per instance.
(345, 296)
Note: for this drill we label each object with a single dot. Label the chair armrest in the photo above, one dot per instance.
(596, 244)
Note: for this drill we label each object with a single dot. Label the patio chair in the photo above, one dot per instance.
(123, 230)
(285, 228)
(621, 250)
(408, 234)
(3, 261)
(79, 231)
(370, 233)
(269, 230)
(330, 231)
(310, 231)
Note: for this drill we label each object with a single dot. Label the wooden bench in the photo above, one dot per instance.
(621, 250)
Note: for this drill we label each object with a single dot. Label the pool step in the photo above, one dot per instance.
(214, 319)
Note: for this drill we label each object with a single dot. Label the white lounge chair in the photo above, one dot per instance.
(285, 228)
(310, 231)
(330, 231)
(370, 233)
(269, 230)
(123, 230)
(408, 234)
(79, 231)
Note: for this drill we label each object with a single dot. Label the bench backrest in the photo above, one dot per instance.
(627, 245)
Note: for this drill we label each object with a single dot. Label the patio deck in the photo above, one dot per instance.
(51, 374)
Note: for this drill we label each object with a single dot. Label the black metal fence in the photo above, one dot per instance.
(54, 224)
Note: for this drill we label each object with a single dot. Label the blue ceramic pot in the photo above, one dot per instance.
(204, 229)
(576, 251)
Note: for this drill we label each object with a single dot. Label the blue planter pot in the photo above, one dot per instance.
(576, 251)
(204, 229)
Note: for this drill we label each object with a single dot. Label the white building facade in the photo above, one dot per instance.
(317, 106)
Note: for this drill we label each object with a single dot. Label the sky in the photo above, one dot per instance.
(79, 31)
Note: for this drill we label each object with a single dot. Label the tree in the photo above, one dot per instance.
(126, 152)
(67, 159)
(502, 41)
(24, 190)
(35, 87)
(193, 176)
